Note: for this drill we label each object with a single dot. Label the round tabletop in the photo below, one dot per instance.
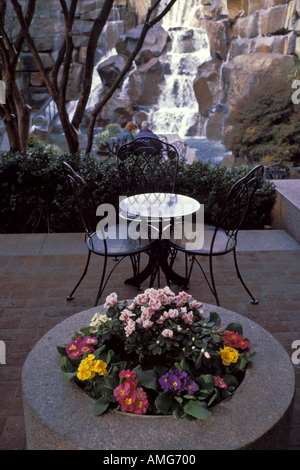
(159, 205)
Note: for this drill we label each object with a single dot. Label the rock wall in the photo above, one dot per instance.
(48, 30)
(249, 40)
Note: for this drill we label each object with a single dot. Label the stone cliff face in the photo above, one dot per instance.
(248, 39)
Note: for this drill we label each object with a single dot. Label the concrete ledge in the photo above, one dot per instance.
(286, 211)
(58, 415)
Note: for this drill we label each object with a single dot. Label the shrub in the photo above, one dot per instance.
(265, 125)
(112, 130)
(35, 195)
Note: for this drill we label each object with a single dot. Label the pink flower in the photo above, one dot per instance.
(111, 300)
(128, 402)
(164, 299)
(88, 340)
(122, 390)
(154, 303)
(234, 340)
(173, 313)
(167, 291)
(167, 333)
(194, 304)
(130, 327)
(126, 314)
(147, 324)
(188, 318)
(142, 403)
(73, 350)
(141, 299)
(220, 382)
(86, 348)
(131, 306)
(147, 313)
(182, 298)
(128, 374)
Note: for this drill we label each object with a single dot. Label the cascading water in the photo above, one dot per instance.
(177, 109)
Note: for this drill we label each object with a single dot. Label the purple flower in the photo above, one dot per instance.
(177, 381)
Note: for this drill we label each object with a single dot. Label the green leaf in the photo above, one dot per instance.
(215, 318)
(111, 382)
(235, 327)
(164, 402)
(160, 371)
(85, 330)
(147, 378)
(100, 406)
(62, 350)
(197, 409)
(69, 376)
(177, 411)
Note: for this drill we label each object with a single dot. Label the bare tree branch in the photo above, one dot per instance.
(89, 62)
(147, 25)
(34, 52)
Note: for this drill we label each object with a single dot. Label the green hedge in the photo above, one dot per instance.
(35, 194)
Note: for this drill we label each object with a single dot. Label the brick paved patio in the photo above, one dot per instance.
(33, 292)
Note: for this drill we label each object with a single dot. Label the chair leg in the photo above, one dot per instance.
(253, 300)
(101, 287)
(71, 297)
(213, 285)
(135, 261)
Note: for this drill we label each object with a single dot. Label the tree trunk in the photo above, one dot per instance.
(147, 25)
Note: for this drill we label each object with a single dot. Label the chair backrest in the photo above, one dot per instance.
(84, 200)
(147, 165)
(238, 200)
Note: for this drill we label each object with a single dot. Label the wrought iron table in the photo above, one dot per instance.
(159, 212)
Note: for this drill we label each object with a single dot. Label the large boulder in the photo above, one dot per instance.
(207, 85)
(248, 71)
(219, 34)
(117, 110)
(75, 81)
(155, 41)
(110, 69)
(144, 83)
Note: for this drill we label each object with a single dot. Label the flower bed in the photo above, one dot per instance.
(60, 416)
(157, 355)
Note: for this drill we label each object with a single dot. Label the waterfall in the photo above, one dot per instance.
(177, 109)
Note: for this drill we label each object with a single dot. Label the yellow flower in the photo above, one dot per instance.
(88, 368)
(84, 372)
(100, 367)
(228, 355)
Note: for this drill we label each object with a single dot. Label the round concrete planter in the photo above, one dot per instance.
(58, 415)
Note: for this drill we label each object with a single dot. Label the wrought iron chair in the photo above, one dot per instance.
(147, 165)
(277, 171)
(181, 148)
(117, 242)
(163, 138)
(221, 238)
